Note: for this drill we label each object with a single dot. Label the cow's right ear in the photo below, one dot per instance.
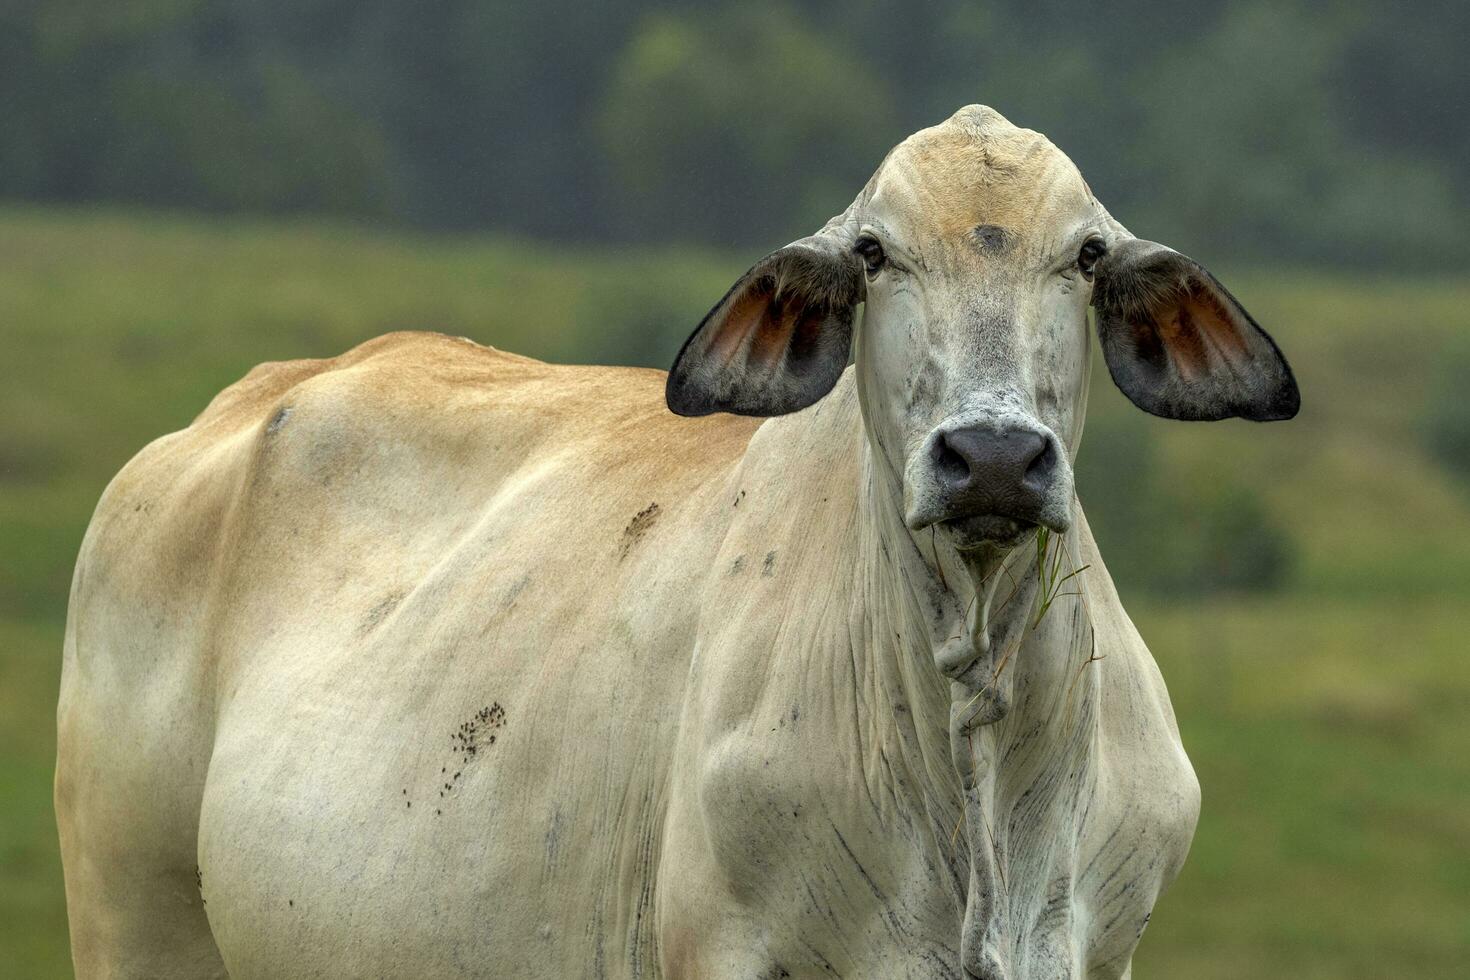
(1179, 345)
(780, 338)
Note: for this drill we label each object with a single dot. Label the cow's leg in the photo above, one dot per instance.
(715, 940)
(704, 934)
(132, 752)
(768, 873)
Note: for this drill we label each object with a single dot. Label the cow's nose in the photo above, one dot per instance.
(1004, 471)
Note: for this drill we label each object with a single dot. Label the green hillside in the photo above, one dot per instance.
(1321, 690)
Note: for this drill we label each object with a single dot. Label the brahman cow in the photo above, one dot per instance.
(433, 661)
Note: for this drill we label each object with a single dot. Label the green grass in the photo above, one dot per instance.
(1327, 721)
(1330, 741)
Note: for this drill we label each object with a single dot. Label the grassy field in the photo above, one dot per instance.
(1327, 719)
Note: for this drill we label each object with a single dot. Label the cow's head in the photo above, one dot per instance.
(977, 248)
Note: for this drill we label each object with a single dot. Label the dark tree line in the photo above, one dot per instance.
(1308, 130)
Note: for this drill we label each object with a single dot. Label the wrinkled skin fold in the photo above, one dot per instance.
(433, 661)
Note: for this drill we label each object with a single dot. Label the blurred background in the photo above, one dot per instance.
(189, 187)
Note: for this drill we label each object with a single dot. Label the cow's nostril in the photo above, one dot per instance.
(1039, 470)
(949, 465)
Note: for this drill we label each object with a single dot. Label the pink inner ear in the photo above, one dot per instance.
(1222, 329)
(1200, 330)
(742, 319)
(1182, 342)
(773, 334)
(759, 326)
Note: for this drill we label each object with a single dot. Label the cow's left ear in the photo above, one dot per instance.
(779, 339)
(1179, 345)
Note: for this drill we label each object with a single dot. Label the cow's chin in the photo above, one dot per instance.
(987, 533)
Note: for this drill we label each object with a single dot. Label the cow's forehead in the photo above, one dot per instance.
(974, 171)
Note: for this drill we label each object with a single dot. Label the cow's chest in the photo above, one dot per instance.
(811, 862)
(808, 843)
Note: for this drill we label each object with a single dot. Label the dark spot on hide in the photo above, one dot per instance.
(991, 238)
(768, 567)
(514, 592)
(379, 612)
(738, 565)
(637, 527)
(476, 734)
(468, 741)
(551, 846)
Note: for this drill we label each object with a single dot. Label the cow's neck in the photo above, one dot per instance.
(978, 677)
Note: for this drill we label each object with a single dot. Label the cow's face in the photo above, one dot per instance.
(978, 248)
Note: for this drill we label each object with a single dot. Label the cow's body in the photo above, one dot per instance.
(432, 661)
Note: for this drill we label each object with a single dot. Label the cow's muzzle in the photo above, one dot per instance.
(990, 483)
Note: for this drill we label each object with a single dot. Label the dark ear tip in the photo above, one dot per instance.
(1285, 406)
(682, 399)
(1290, 403)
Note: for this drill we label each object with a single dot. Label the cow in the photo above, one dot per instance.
(430, 660)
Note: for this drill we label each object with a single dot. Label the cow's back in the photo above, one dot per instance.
(399, 638)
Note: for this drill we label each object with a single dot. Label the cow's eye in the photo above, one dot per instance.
(871, 253)
(1092, 250)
